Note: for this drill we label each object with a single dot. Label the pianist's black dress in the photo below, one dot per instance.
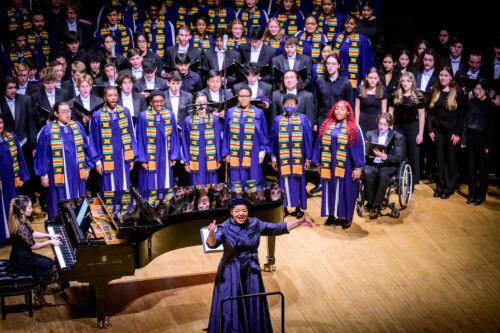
(24, 260)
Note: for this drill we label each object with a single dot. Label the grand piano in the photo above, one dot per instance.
(111, 236)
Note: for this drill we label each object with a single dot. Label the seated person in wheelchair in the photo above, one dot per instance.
(381, 165)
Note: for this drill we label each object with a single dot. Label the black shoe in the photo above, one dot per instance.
(477, 202)
(444, 196)
(346, 224)
(331, 221)
(316, 190)
(299, 213)
(470, 200)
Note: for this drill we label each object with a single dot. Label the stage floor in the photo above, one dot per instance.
(435, 269)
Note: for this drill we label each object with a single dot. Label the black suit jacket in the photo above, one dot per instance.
(265, 89)
(83, 30)
(432, 81)
(301, 61)
(173, 50)
(395, 144)
(140, 104)
(446, 61)
(267, 53)
(160, 84)
(307, 105)
(461, 74)
(185, 98)
(24, 125)
(229, 94)
(69, 87)
(77, 115)
(210, 62)
(40, 97)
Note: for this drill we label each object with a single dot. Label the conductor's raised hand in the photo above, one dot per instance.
(212, 226)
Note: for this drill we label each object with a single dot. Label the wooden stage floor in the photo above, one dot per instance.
(436, 269)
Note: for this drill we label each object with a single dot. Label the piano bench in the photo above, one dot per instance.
(15, 284)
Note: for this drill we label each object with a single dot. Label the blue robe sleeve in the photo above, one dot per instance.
(23, 168)
(264, 137)
(186, 130)
(175, 148)
(217, 138)
(357, 151)
(42, 156)
(271, 229)
(87, 148)
(317, 149)
(227, 132)
(307, 137)
(274, 136)
(142, 140)
(95, 136)
(366, 56)
(220, 235)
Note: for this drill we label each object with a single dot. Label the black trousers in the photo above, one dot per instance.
(478, 164)
(377, 179)
(446, 153)
(410, 132)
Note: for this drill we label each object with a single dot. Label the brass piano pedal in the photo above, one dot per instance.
(269, 267)
(104, 323)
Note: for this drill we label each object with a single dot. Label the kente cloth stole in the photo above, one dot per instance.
(56, 147)
(45, 44)
(352, 66)
(341, 154)
(237, 187)
(124, 37)
(290, 146)
(330, 23)
(251, 186)
(315, 45)
(274, 43)
(131, 4)
(14, 154)
(151, 134)
(219, 19)
(194, 147)
(109, 202)
(231, 42)
(201, 42)
(156, 32)
(246, 16)
(238, 4)
(320, 70)
(317, 6)
(248, 132)
(155, 198)
(183, 13)
(13, 26)
(106, 134)
(170, 3)
(289, 23)
(15, 58)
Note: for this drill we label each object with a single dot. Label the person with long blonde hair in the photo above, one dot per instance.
(339, 155)
(446, 118)
(22, 258)
(274, 35)
(408, 110)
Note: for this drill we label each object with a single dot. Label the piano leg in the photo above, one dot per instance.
(102, 319)
(270, 266)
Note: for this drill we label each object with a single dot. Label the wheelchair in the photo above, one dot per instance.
(401, 185)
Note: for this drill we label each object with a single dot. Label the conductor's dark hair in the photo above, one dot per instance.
(182, 58)
(123, 76)
(213, 73)
(149, 65)
(219, 33)
(290, 97)
(252, 68)
(255, 33)
(174, 76)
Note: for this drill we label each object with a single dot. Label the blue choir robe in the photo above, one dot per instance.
(73, 187)
(339, 194)
(364, 60)
(260, 141)
(248, 18)
(167, 35)
(239, 274)
(294, 186)
(119, 179)
(163, 177)
(296, 20)
(306, 42)
(123, 43)
(203, 176)
(7, 185)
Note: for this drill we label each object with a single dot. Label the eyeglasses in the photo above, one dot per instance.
(64, 112)
(245, 96)
(331, 63)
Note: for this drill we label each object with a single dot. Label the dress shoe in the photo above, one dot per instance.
(444, 196)
(299, 213)
(316, 189)
(477, 202)
(331, 221)
(346, 224)
(470, 200)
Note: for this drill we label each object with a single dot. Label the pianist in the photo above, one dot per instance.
(22, 257)
(239, 270)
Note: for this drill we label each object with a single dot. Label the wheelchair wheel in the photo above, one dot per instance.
(360, 200)
(405, 185)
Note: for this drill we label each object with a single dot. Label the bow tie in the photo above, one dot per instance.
(455, 61)
(53, 95)
(219, 51)
(9, 100)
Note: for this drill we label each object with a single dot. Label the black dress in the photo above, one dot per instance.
(370, 108)
(24, 260)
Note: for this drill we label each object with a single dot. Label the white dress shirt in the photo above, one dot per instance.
(12, 106)
(294, 91)
(426, 76)
(150, 84)
(255, 53)
(128, 102)
(254, 87)
(291, 60)
(22, 89)
(72, 26)
(496, 70)
(174, 100)
(137, 73)
(214, 95)
(51, 97)
(182, 49)
(220, 57)
(75, 86)
(472, 75)
(85, 102)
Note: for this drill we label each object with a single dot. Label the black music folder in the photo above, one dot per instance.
(370, 146)
(80, 108)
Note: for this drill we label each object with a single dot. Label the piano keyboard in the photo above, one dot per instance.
(64, 252)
